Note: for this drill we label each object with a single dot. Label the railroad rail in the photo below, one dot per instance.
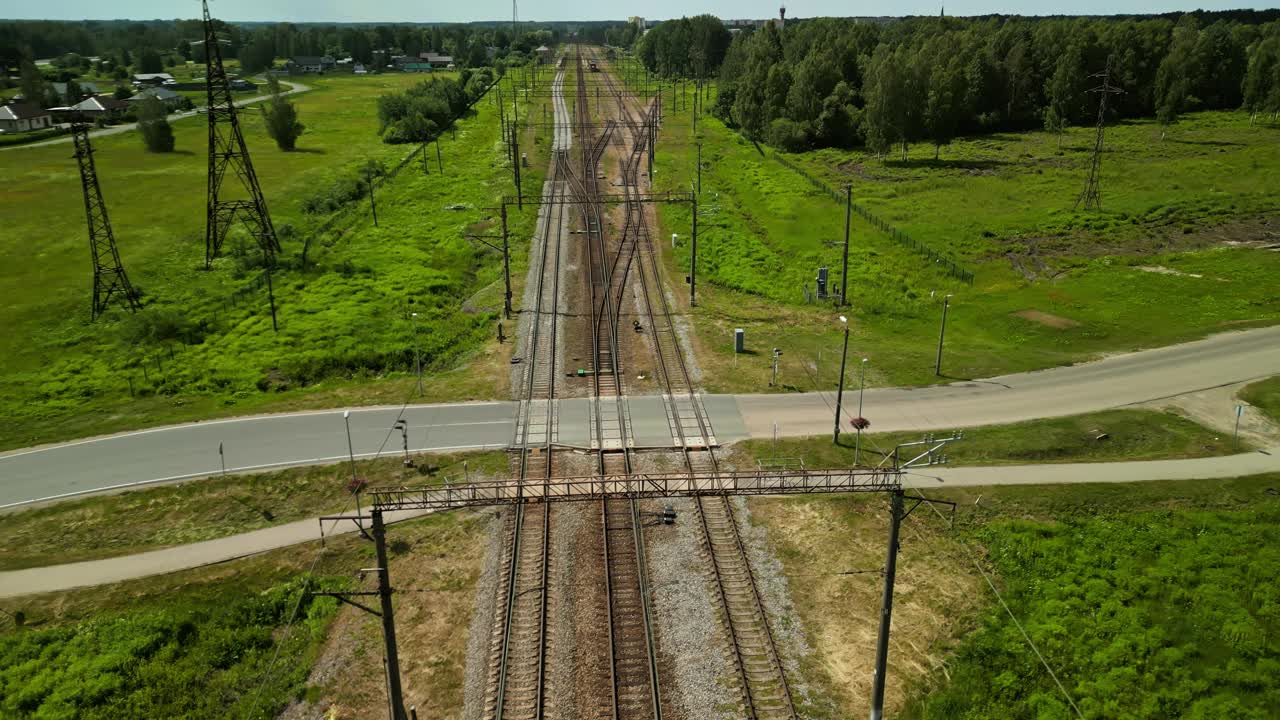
(633, 666)
(754, 651)
(518, 648)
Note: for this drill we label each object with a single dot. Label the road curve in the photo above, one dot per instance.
(253, 443)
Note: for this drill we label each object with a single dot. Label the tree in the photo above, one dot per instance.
(281, 117)
(149, 61)
(1178, 74)
(154, 124)
(1063, 91)
(1262, 81)
(31, 82)
(944, 102)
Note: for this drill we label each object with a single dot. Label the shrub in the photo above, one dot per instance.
(153, 122)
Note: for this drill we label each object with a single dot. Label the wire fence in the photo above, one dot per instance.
(947, 265)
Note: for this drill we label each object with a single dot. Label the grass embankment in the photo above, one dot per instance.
(345, 321)
(202, 643)
(1096, 437)
(1264, 395)
(149, 519)
(1053, 286)
(1150, 599)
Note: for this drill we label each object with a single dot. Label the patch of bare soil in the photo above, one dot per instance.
(1261, 231)
(1044, 318)
(832, 551)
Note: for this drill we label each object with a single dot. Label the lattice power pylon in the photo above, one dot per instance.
(109, 279)
(1091, 198)
(227, 151)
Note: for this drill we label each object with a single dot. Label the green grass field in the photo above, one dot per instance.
(1265, 395)
(1147, 599)
(1096, 437)
(1053, 286)
(345, 330)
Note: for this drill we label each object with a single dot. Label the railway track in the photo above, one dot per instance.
(633, 673)
(754, 651)
(517, 683)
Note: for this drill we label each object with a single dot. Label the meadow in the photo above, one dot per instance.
(1148, 600)
(204, 345)
(1175, 254)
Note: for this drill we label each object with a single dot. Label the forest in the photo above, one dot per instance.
(832, 82)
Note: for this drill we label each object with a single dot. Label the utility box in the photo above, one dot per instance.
(822, 283)
(739, 340)
(524, 159)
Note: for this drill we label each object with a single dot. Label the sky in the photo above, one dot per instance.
(469, 10)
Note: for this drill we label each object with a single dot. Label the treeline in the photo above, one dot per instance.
(424, 110)
(154, 45)
(836, 82)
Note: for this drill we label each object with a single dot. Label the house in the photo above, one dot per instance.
(416, 67)
(93, 108)
(170, 98)
(302, 64)
(435, 59)
(141, 79)
(86, 88)
(359, 69)
(544, 54)
(21, 117)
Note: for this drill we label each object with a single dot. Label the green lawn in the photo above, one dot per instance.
(345, 330)
(1096, 437)
(1264, 395)
(1172, 206)
(111, 525)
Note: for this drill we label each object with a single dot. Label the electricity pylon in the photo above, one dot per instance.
(227, 150)
(109, 278)
(1091, 197)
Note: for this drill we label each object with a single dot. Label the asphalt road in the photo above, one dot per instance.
(188, 451)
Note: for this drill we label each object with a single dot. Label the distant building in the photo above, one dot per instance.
(170, 98)
(310, 64)
(435, 59)
(637, 21)
(21, 117)
(417, 67)
(86, 88)
(92, 108)
(359, 69)
(544, 54)
(153, 79)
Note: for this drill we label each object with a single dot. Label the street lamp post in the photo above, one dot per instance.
(417, 356)
(835, 438)
(403, 426)
(862, 386)
(351, 452)
(937, 366)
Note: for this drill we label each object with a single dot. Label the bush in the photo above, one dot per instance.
(281, 117)
(788, 135)
(417, 114)
(154, 124)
